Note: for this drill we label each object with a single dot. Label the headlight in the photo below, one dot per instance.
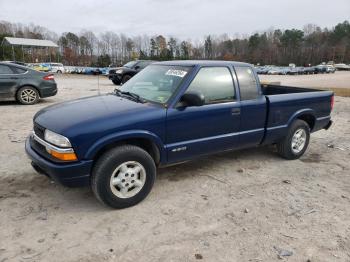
(56, 139)
(120, 71)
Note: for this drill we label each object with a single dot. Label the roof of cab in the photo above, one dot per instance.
(202, 63)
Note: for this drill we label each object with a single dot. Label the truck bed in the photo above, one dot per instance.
(286, 103)
(269, 90)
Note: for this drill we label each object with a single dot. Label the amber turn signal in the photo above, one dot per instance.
(63, 156)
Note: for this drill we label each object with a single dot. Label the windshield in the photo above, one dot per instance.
(156, 83)
(130, 64)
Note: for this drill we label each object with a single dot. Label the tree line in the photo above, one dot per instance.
(311, 45)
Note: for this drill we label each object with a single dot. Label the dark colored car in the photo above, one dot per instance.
(25, 85)
(169, 113)
(122, 74)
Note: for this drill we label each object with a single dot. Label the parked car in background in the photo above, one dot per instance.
(278, 71)
(293, 71)
(169, 113)
(265, 70)
(300, 70)
(122, 74)
(25, 85)
(342, 66)
(89, 71)
(330, 69)
(309, 70)
(320, 69)
(57, 68)
(40, 67)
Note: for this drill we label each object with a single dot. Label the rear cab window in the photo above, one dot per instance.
(215, 83)
(247, 83)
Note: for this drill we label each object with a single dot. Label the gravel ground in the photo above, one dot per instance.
(247, 205)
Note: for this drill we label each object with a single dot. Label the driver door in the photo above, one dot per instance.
(212, 127)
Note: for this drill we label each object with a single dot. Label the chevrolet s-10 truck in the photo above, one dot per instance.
(169, 113)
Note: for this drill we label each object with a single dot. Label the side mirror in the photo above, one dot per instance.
(137, 67)
(192, 98)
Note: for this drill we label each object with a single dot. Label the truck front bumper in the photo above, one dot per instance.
(73, 174)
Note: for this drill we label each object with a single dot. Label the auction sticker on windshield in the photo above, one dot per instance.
(176, 72)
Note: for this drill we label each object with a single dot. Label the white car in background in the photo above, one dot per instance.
(342, 67)
(57, 68)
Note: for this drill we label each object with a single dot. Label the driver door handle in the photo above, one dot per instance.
(235, 111)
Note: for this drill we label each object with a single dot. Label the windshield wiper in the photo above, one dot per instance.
(131, 95)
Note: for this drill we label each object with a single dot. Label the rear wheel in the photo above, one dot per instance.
(124, 176)
(296, 142)
(27, 95)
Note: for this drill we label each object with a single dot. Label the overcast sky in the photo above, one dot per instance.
(179, 18)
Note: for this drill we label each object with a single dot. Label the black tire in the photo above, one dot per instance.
(59, 72)
(284, 148)
(27, 95)
(125, 79)
(107, 164)
(117, 83)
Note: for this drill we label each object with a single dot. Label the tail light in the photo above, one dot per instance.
(49, 77)
(332, 102)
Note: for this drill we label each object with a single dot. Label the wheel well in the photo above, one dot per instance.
(24, 86)
(146, 144)
(309, 119)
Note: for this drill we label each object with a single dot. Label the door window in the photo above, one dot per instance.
(215, 83)
(18, 70)
(5, 70)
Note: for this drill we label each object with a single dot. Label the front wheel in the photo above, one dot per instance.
(117, 83)
(296, 142)
(125, 79)
(124, 176)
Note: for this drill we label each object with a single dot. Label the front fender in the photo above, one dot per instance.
(120, 136)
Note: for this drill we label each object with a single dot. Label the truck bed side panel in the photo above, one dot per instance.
(285, 108)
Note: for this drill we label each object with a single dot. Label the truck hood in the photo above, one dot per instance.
(96, 114)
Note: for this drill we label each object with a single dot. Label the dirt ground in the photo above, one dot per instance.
(247, 205)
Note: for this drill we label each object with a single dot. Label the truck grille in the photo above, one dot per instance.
(39, 130)
(39, 148)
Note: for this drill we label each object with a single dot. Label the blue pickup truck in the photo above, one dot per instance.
(169, 113)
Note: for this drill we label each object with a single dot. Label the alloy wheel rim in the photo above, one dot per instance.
(298, 141)
(28, 95)
(128, 179)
